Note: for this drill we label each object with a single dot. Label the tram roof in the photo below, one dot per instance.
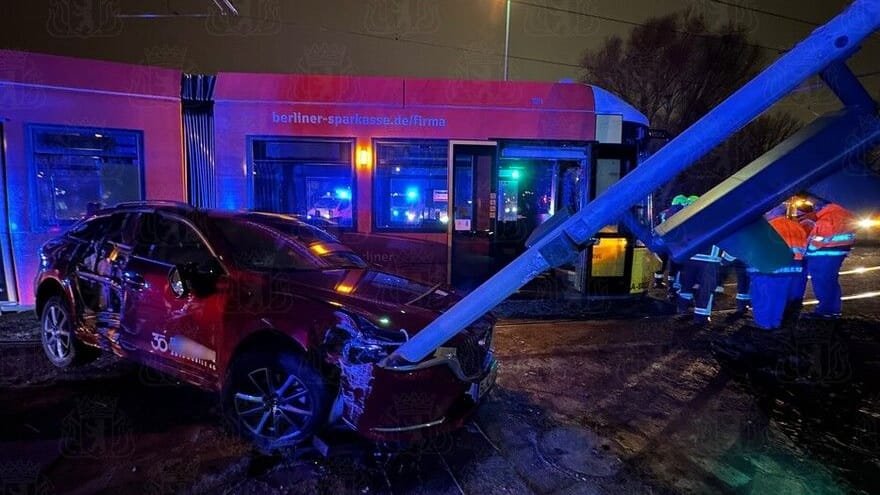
(404, 92)
(102, 76)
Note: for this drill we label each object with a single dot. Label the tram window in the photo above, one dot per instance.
(75, 166)
(607, 173)
(308, 177)
(527, 191)
(411, 186)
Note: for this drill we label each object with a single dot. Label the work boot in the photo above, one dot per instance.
(683, 306)
(791, 314)
(821, 316)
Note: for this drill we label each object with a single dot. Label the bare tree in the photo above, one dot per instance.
(873, 160)
(674, 69)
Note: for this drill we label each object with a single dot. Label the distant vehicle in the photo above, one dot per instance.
(332, 207)
(288, 324)
(406, 208)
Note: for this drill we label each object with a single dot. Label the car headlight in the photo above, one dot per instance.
(356, 352)
(362, 341)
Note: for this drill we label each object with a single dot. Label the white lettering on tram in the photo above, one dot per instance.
(336, 120)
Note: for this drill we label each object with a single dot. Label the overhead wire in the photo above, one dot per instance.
(532, 4)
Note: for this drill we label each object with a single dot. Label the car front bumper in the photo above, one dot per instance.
(414, 403)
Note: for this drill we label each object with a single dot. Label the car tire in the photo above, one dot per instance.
(58, 335)
(275, 399)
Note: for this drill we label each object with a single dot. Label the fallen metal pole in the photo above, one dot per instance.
(827, 44)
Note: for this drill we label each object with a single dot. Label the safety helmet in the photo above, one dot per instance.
(692, 199)
(679, 200)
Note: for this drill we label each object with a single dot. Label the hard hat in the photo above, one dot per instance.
(693, 198)
(680, 199)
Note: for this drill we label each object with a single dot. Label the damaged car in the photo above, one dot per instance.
(290, 326)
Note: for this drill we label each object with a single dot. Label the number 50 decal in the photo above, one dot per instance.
(159, 343)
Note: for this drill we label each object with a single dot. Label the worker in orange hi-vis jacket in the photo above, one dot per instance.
(806, 217)
(828, 244)
(772, 293)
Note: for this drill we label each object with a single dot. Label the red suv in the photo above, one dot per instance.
(287, 323)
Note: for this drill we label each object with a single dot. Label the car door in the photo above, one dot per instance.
(100, 250)
(172, 332)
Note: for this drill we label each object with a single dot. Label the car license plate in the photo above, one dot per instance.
(479, 389)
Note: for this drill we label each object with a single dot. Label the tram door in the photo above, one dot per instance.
(536, 181)
(472, 212)
(611, 258)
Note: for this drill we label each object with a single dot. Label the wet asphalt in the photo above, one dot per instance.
(634, 401)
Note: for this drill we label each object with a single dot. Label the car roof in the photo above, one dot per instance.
(188, 211)
(175, 206)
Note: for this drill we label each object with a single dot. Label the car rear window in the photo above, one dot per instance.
(94, 228)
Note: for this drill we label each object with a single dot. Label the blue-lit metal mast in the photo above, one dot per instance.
(823, 52)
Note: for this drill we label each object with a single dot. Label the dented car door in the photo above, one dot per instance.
(174, 327)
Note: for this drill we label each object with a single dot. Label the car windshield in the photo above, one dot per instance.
(270, 244)
(302, 232)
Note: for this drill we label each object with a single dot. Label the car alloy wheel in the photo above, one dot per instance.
(56, 330)
(273, 405)
(57, 333)
(275, 398)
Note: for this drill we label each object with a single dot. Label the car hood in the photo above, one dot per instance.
(376, 295)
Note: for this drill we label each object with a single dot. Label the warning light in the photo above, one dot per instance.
(412, 194)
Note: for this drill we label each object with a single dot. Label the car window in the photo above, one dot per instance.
(114, 228)
(304, 233)
(334, 254)
(169, 240)
(256, 246)
(95, 228)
